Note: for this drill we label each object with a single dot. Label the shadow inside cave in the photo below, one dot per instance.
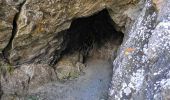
(88, 34)
(96, 39)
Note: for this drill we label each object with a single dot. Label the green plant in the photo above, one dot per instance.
(6, 68)
(32, 98)
(9, 68)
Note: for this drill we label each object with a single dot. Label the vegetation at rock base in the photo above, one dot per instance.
(5, 68)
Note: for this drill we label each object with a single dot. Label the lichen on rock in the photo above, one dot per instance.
(146, 65)
(70, 66)
(34, 35)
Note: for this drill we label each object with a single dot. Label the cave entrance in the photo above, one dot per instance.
(91, 45)
(94, 36)
(88, 37)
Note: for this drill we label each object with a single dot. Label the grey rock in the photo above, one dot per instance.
(8, 11)
(33, 33)
(141, 70)
(22, 80)
(69, 66)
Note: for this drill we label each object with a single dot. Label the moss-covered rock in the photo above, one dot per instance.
(69, 66)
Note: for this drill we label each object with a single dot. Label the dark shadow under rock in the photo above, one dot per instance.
(93, 36)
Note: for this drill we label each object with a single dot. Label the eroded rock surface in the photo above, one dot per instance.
(33, 37)
(8, 11)
(39, 37)
(33, 34)
(69, 66)
(141, 70)
(20, 81)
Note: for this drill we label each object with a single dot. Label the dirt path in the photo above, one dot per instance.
(93, 85)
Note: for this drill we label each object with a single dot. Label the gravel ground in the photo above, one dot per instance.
(92, 85)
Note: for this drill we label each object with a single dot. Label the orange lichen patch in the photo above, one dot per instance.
(158, 3)
(129, 50)
(38, 29)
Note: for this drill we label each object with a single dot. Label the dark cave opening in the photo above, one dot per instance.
(91, 45)
(93, 32)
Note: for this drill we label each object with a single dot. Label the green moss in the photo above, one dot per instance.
(6, 68)
(10, 68)
(73, 75)
(32, 98)
(64, 75)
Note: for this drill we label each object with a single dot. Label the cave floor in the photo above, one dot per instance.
(92, 85)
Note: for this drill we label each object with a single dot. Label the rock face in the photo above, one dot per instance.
(141, 70)
(69, 66)
(33, 35)
(39, 35)
(8, 12)
(20, 81)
